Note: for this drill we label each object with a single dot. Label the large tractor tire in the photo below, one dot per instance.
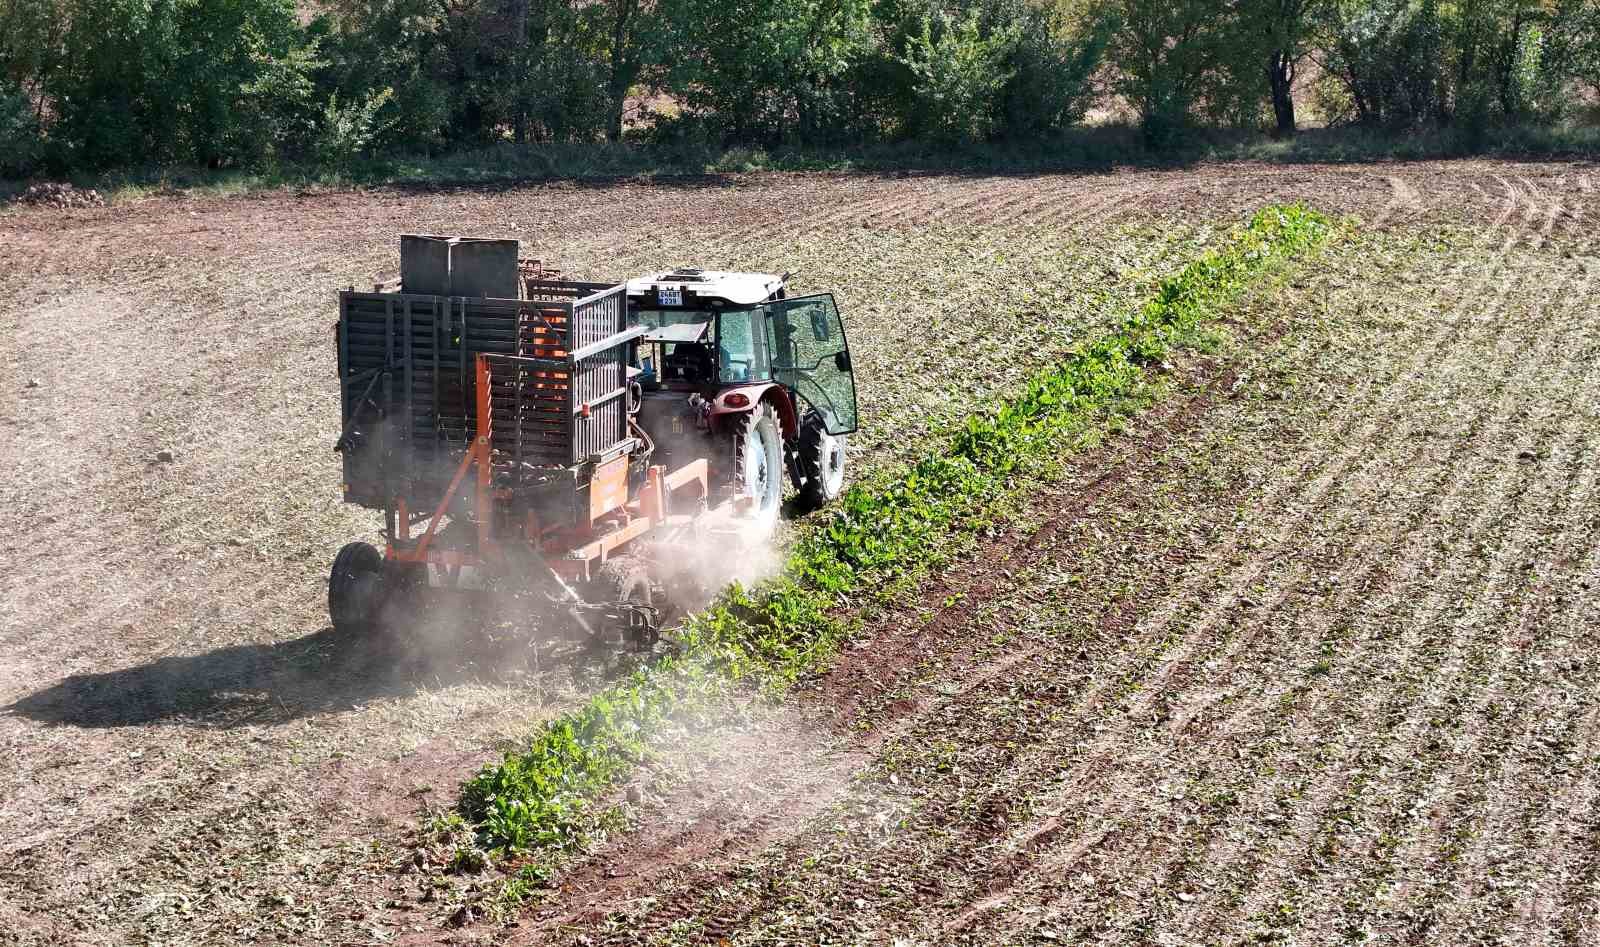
(819, 463)
(758, 465)
(355, 587)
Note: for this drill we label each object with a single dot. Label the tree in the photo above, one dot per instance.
(1052, 66)
(767, 70)
(1167, 51)
(1389, 56)
(1277, 33)
(959, 73)
(369, 46)
(631, 33)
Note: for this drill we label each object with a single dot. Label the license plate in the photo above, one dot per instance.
(669, 297)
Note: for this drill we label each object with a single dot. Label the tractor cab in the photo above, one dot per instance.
(722, 348)
(709, 330)
(703, 327)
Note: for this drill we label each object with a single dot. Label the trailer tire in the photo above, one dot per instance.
(758, 463)
(627, 579)
(355, 587)
(819, 462)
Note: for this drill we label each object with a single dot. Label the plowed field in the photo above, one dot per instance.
(1307, 652)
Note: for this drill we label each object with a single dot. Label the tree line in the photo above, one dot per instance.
(96, 84)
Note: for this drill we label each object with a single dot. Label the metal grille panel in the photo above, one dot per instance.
(407, 373)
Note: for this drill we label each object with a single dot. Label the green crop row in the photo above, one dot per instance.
(540, 801)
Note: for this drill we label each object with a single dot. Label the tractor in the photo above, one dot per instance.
(563, 451)
(731, 369)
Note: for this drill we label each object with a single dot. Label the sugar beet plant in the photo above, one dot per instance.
(540, 801)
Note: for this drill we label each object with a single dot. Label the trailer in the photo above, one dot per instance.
(528, 447)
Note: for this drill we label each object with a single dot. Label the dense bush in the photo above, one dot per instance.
(19, 132)
(1388, 55)
(768, 71)
(959, 70)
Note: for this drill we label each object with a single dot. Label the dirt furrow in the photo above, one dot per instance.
(1403, 717)
(1271, 703)
(1298, 493)
(1465, 793)
(1470, 727)
(1222, 661)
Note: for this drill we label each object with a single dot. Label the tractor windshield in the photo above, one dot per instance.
(741, 351)
(687, 337)
(809, 353)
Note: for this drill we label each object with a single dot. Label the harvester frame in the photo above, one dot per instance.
(492, 412)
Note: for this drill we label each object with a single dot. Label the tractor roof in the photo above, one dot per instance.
(740, 289)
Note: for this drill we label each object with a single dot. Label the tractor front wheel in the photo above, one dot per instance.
(758, 465)
(355, 587)
(819, 462)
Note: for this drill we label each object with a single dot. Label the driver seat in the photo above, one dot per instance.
(691, 362)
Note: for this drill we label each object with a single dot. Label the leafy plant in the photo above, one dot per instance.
(19, 130)
(959, 69)
(347, 130)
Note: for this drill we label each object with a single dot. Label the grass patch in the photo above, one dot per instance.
(539, 802)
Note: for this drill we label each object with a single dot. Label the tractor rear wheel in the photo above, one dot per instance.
(819, 462)
(355, 587)
(758, 465)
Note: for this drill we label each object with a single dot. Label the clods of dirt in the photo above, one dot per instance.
(61, 196)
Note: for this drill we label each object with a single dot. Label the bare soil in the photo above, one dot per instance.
(1305, 652)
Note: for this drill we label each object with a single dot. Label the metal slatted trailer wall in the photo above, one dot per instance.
(542, 397)
(408, 384)
(420, 415)
(601, 375)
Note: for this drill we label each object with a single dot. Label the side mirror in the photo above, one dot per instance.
(841, 360)
(819, 324)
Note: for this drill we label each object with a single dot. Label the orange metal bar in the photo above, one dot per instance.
(485, 505)
(653, 496)
(421, 554)
(602, 547)
(692, 472)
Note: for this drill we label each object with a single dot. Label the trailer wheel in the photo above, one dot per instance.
(819, 461)
(758, 463)
(355, 587)
(626, 579)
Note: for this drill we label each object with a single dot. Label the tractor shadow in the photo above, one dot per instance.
(324, 672)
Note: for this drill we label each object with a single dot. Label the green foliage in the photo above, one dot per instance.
(242, 84)
(540, 799)
(1052, 69)
(21, 145)
(1571, 46)
(958, 69)
(770, 71)
(1168, 52)
(372, 45)
(1389, 56)
(348, 130)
